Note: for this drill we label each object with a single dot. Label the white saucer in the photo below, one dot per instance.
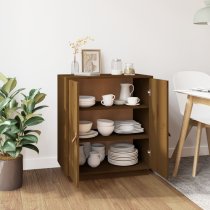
(132, 104)
(89, 134)
(119, 102)
(123, 162)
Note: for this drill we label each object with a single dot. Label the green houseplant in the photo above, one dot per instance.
(18, 116)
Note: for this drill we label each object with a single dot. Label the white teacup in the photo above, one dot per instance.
(133, 100)
(107, 102)
(108, 97)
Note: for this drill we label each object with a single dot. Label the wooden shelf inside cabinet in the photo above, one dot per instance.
(116, 137)
(99, 106)
(106, 168)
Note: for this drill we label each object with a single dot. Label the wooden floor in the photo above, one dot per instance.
(50, 189)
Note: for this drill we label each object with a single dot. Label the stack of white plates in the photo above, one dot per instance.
(122, 154)
(87, 101)
(128, 127)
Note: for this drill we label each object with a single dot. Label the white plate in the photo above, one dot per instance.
(141, 130)
(122, 147)
(122, 153)
(87, 133)
(123, 162)
(91, 135)
(126, 122)
(122, 158)
(132, 104)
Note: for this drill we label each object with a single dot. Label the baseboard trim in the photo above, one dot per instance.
(39, 163)
(189, 151)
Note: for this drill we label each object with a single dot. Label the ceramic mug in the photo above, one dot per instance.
(108, 100)
(133, 100)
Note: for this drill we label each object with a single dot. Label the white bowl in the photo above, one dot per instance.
(87, 98)
(105, 130)
(85, 126)
(86, 104)
(105, 122)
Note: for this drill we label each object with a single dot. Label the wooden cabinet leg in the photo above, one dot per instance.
(187, 113)
(208, 137)
(197, 148)
(191, 124)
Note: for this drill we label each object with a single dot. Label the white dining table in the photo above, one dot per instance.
(193, 97)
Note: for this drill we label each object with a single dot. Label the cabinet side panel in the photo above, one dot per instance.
(73, 128)
(158, 126)
(62, 125)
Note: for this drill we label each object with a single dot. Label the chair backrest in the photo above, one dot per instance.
(188, 80)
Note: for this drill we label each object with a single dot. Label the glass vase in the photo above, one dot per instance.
(75, 66)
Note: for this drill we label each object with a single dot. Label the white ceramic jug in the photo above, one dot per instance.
(126, 91)
(94, 159)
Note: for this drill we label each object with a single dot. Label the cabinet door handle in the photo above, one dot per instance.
(75, 137)
(149, 152)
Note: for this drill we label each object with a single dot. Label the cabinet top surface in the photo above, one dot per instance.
(71, 76)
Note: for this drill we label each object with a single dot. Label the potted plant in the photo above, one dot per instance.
(17, 118)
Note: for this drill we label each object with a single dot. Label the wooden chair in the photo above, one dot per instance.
(200, 116)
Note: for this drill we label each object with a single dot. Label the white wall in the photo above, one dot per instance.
(157, 36)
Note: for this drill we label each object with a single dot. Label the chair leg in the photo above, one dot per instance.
(191, 124)
(208, 137)
(197, 148)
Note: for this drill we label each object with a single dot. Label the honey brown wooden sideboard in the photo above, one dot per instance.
(152, 113)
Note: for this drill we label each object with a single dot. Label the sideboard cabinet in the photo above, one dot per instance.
(152, 113)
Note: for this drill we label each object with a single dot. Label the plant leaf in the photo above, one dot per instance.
(3, 78)
(4, 128)
(33, 93)
(39, 107)
(31, 146)
(15, 153)
(39, 97)
(16, 92)
(4, 103)
(34, 121)
(9, 146)
(32, 131)
(31, 138)
(9, 85)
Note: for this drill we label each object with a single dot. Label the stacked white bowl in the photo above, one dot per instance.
(100, 148)
(85, 126)
(87, 101)
(105, 127)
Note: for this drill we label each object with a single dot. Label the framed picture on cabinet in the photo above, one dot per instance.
(91, 61)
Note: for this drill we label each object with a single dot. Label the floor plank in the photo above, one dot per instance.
(50, 189)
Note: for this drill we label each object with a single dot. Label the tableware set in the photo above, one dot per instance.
(122, 154)
(93, 153)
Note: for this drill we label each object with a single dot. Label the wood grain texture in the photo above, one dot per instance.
(183, 134)
(158, 126)
(49, 189)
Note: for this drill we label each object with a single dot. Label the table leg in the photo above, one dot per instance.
(183, 134)
(191, 124)
(197, 148)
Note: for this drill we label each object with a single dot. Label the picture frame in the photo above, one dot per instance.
(91, 61)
